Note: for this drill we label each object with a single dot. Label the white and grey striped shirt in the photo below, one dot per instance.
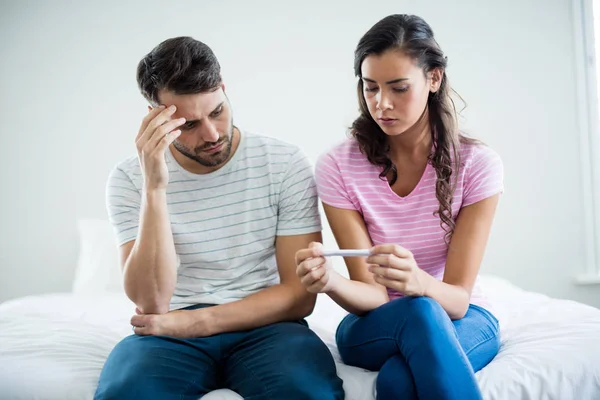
(225, 223)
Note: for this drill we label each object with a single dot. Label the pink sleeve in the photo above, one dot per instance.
(484, 177)
(330, 184)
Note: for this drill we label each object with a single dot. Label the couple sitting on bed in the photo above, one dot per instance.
(220, 234)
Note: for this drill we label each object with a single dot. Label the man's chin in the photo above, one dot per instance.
(210, 161)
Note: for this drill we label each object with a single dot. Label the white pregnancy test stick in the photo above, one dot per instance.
(347, 253)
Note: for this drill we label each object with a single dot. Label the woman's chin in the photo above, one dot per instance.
(393, 130)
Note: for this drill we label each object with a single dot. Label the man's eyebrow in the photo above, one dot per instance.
(388, 82)
(217, 107)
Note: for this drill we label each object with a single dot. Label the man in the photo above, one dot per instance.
(208, 220)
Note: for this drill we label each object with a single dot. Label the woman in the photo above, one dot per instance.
(422, 197)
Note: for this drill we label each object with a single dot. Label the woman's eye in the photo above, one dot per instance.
(401, 89)
(370, 89)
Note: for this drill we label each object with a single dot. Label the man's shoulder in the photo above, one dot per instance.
(269, 144)
(129, 166)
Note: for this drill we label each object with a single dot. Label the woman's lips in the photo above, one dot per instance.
(387, 121)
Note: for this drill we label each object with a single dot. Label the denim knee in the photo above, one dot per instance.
(395, 381)
(297, 388)
(425, 313)
(129, 385)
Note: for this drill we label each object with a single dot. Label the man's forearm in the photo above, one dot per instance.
(151, 268)
(274, 304)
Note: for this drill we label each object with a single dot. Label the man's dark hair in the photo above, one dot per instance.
(181, 65)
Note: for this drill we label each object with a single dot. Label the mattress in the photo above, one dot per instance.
(53, 346)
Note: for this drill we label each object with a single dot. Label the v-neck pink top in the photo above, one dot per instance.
(346, 179)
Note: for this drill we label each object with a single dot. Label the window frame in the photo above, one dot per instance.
(589, 131)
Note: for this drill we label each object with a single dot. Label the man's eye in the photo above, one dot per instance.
(188, 125)
(217, 112)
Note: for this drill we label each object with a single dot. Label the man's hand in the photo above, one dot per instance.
(155, 135)
(178, 323)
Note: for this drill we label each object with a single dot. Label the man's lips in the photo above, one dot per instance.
(213, 149)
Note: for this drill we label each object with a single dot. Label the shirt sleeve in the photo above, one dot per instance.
(123, 201)
(330, 184)
(485, 176)
(298, 201)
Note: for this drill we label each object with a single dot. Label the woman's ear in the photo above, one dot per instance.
(435, 80)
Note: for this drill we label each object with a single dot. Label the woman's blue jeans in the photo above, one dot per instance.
(419, 351)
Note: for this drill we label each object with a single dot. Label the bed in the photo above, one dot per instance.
(53, 346)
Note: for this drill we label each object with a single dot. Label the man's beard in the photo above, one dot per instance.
(206, 159)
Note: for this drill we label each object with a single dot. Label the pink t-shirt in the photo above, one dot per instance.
(346, 179)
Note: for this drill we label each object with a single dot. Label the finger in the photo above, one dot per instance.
(166, 141)
(389, 273)
(316, 287)
(310, 278)
(382, 259)
(315, 245)
(390, 283)
(158, 120)
(311, 264)
(313, 276)
(308, 265)
(163, 130)
(152, 113)
(141, 331)
(314, 251)
(391, 261)
(139, 320)
(394, 249)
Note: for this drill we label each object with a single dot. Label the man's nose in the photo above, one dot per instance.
(208, 132)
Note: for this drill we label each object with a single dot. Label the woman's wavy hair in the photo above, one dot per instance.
(413, 36)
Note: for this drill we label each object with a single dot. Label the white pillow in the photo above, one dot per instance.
(98, 268)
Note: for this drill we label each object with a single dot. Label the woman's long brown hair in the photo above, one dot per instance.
(413, 36)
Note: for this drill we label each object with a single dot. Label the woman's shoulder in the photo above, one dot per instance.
(473, 152)
(342, 152)
(480, 163)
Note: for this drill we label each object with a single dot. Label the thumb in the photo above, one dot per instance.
(316, 247)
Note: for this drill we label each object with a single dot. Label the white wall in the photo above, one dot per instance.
(70, 109)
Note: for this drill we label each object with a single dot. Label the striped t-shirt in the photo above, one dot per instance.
(346, 179)
(225, 223)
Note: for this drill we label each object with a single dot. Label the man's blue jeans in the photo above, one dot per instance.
(419, 352)
(280, 361)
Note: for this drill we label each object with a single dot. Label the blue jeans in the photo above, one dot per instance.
(280, 361)
(419, 352)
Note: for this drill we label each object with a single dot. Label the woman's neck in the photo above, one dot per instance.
(415, 143)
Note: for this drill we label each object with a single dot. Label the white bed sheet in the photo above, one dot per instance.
(54, 346)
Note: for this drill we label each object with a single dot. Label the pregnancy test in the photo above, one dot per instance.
(347, 253)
